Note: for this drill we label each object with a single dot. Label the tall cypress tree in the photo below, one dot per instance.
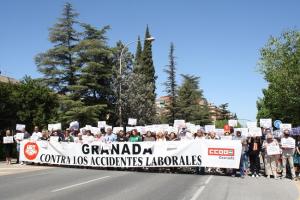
(138, 56)
(171, 85)
(58, 63)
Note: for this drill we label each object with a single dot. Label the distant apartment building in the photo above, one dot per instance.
(215, 111)
(5, 79)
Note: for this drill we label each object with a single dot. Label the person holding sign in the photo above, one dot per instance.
(8, 145)
(254, 150)
(272, 152)
(288, 150)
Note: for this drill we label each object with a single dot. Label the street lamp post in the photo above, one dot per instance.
(151, 39)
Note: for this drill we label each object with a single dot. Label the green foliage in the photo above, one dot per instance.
(28, 102)
(280, 66)
(189, 101)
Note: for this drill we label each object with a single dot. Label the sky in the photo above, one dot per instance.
(219, 41)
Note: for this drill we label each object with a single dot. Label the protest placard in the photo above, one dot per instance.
(178, 123)
(19, 136)
(132, 121)
(232, 123)
(251, 124)
(117, 129)
(101, 124)
(20, 127)
(8, 140)
(244, 131)
(74, 125)
(285, 127)
(255, 132)
(273, 150)
(288, 143)
(209, 128)
(54, 127)
(265, 123)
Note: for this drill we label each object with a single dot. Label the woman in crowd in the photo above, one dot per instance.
(270, 157)
(199, 135)
(254, 150)
(297, 156)
(149, 137)
(45, 135)
(173, 137)
(68, 137)
(135, 137)
(121, 137)
(8, 148)
(160, 137)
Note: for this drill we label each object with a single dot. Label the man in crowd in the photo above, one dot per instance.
(288, 151)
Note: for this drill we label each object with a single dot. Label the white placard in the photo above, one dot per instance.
(285, 127)
(132, 121)
(178, 123)
(219, 132)
(19, 136)
(117, 129)
(288, 143)
(20, 127)
(244, 131)
(232, 123)
(101, 124)
(95, 130)
(209, 128)
(251, 124)
(8, 140)
(273, 150)
(54, 127)
(255, 132)
(129, 128)
(74, 125)
(265, 123)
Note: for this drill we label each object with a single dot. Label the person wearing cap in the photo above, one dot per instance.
(270, 157)
(287, 153)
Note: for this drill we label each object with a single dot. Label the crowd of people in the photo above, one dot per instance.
(255, 160)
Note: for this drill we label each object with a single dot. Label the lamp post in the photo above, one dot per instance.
(151, 39)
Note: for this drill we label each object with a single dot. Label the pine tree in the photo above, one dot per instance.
(191, 104)
(58, 63)
(171, 85)
(224, 112)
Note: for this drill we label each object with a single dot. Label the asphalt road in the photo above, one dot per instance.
(89, 184)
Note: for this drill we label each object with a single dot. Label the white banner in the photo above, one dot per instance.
(206, 153)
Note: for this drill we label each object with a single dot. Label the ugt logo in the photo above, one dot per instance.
(31, 150)
(220, 152)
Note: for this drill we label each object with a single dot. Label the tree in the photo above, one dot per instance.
(280, 66)
(138, 56)
(171, 85)
(58, 64)
(224, 112)
(191, 104)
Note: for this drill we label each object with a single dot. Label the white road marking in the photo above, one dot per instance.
(33, 175)
(200, 190)
(75, 185)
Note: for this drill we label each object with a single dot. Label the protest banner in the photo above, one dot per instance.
(288, 143)
(101, 124)
(265, 123)
(132, 121)
(273, 150)
(209, 128)
(255, 132)
(189, 153)
(20, 127)
(232, 123)
(251, 124)
(8, 140)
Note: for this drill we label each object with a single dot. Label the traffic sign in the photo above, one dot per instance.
(277, 123)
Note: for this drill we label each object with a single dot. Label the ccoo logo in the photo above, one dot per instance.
(31, 150)
(220, 152)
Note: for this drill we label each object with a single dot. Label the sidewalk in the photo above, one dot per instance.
(17, 168)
